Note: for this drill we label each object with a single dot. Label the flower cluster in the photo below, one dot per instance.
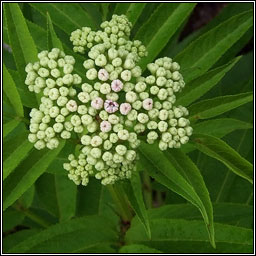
(113, 109)
(115, 34)
(52, 76)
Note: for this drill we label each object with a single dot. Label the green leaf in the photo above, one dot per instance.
(221, 151)
(121, 8)
(133, 190)
(220, 127)
(22, 44)
(184, 165)
(228, 213)
(30, 169)
(138, 248)
(8, 127)
(72, 236)
(183, 236)
(134, 11)
(17, 237)
(11, 92)
(219, 105)
(93, 10)
(28, 98)
(47, 198)
(52, 40)
(66, 191)
(205, 51)
(104, 10)
(11, 218)
(67, 16)
(131, 10)
(161, 26)
(19, 153)
(164, 171)
(198, 87)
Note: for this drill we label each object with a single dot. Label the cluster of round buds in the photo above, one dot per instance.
(53, 70)
(54, 119)
(154, 97)
(115, 35)
(105, 165)
(111, 110)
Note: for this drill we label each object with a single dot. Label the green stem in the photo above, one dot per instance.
(121, 202)
(37, 219)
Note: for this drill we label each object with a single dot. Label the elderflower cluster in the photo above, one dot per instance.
(113, 109)
(115, 34)
(52, 75)
(163, 122)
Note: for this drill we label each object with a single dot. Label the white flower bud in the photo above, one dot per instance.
(142, 118)
(126, 75)
(116, 85)
(103, 75)
(162, 126)
(147, 104)
(40, 144)
(58, 127)
(65, 135)
(71, 106)
(101, 60)
(67, 79)
(123, 134)
(43, 72)
(105, 88)
(96, 141)
(91, 74)
(113, 119)
(131, 96)
(88, 64)
(162, 145)
(54, 111)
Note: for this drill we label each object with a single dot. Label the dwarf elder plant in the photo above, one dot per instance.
(122, 134)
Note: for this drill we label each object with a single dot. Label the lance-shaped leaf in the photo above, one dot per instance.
(67, 16)
(213, 107)
(80, 234)
(226, 213)
(133, 190)
(161, 26)
(164, 171)
(131, 10)
(9, 126)
(28, 172)
(11, 92)
(221, 151)
(22, 44)
(21, 148)
(138, 248)
(205, 51)
(220, 127)
(183, 236)
(198, 87)
(52, 40)
(185, 166)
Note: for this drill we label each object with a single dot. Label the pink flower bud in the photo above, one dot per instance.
(105, 126)
(116, 85)
(111, 106)
(125, 108)
(103, 74)
(97, 103)
(147, 104)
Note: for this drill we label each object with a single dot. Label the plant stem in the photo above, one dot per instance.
(121, 202)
